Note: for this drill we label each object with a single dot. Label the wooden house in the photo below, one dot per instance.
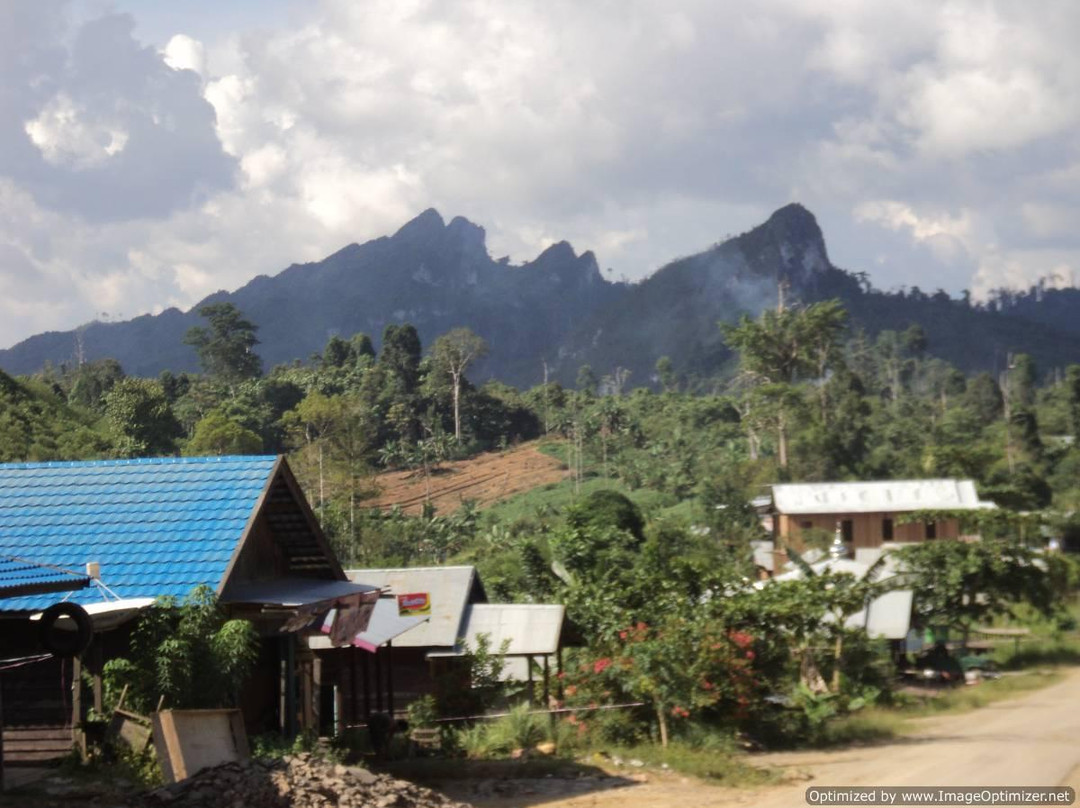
(143, 529)
(870, 515)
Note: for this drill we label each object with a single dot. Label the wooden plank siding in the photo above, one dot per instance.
(867, 528)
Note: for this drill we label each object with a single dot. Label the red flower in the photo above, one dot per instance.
(680, 712)
(622, 635)
(601, 665)
(749, 654)
(741, 638)
(707, 685)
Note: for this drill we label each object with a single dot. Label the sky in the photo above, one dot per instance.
(152, 153)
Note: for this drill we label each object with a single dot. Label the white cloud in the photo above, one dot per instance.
(65, 136)
(950, 236)
(184, 53)
(936, 142)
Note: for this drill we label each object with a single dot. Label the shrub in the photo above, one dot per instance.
(187, 652)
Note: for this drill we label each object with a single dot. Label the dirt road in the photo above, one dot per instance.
(1032, 740)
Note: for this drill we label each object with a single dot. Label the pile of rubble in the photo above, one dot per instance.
(293, 782)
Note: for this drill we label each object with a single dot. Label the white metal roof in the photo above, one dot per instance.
(889, 614)
(877, 497)
(889, 617)
(450, 589)
(532, 629)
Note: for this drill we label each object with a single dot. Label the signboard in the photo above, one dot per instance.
(414, 605)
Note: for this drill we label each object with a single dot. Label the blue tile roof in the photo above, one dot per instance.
(157, 526)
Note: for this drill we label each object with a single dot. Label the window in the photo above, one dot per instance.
(847, 531)
(886, 530)
(931, 530)
(805, 525)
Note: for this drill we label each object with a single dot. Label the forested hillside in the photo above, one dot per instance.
(548, 317)
(808, 396)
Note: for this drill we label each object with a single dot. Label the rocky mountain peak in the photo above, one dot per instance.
(425, 227)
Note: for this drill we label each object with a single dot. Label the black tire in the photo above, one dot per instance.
(65, 643)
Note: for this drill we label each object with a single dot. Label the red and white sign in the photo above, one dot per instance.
(414, 604)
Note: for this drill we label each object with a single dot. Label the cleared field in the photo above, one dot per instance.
(486, 479)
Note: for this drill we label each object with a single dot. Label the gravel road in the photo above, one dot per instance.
(1032, 740)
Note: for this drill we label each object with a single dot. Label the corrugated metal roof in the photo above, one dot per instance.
(450, 589)
(530, 628)
(20, 577)
(157, 527)
(890, 496)
(293, 592)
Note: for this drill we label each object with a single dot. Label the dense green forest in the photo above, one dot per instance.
(654, 518)
(810, 399)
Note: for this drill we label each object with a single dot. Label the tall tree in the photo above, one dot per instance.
(226, 345)
(217, 434)
(454, 351)
(401, 355)
(139, 412)
(782, 346)
(1072, 393)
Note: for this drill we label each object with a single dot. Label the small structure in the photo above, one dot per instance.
(867, 514)
(888, 616)
(525, 634)
(388, 675)
(160, 527)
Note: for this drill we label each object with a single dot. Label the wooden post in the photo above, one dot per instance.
(547, 683)
(316, 693)
(352, 685)
(290, 675)
(528, 667)
(378, 680)
(307, 695)
(78, 736)
(390, 677)
(339, 707)
(367, 685)
(559, 678)
(283, 685)
(96, 665)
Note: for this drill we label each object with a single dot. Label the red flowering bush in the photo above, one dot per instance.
(678, 668)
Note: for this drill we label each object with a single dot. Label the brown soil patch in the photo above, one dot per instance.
(486, 479)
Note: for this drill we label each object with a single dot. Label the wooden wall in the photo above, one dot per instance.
(867, 528)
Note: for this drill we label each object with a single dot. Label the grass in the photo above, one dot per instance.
(880, 724)
(1040, 653)
(964, 699)
(549, 501)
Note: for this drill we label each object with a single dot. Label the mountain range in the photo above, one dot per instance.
(559, 310)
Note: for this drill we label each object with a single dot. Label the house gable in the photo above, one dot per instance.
(161, 526)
